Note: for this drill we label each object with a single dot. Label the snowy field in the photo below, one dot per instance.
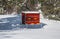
(11, 28)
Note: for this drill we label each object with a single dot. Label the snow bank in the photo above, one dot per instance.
(49, 31)
(7, 16)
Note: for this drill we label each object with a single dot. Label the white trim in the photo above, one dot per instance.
(30, 12)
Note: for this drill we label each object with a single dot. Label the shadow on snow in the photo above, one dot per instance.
(16, 23)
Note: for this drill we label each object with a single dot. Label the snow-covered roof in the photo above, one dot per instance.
(30, 12)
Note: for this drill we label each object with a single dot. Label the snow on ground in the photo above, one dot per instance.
(50, 31)
(6, 16)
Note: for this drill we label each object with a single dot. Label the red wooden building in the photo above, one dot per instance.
(30, 17)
